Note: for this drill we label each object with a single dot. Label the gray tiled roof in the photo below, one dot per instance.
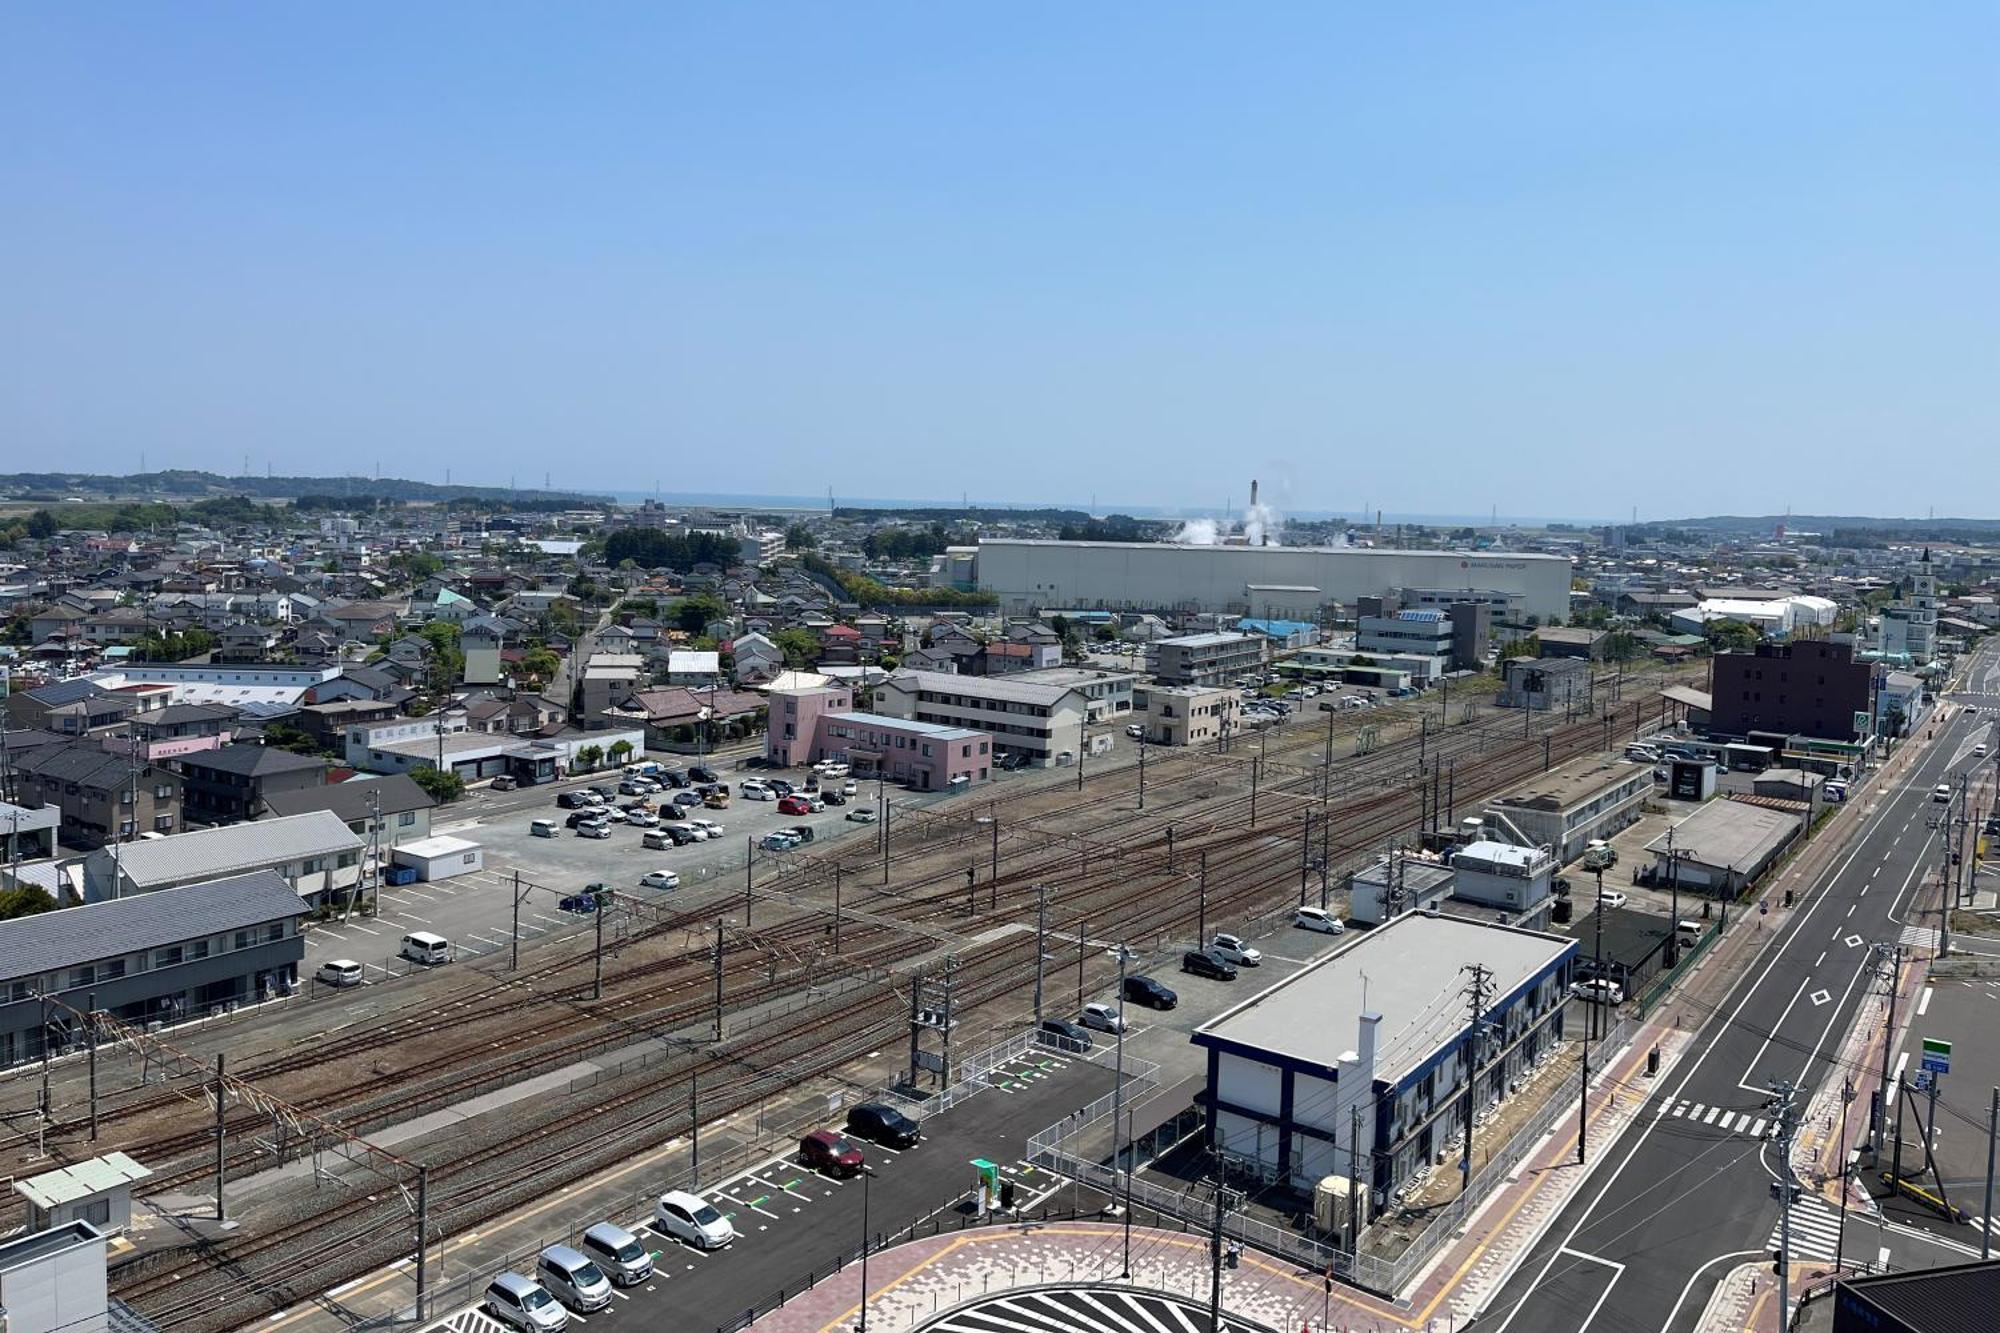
(234, 848)
(50, 941)
(250, 760)
(349, 800)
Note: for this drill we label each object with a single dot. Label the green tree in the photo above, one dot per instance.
(1733, 636)
(540, 663)
(589, 757)
(447, 658)
(799, 537)
(799, 646)
(42, 524)
(174, 646)
(442, 787)
(25, 900)
(694, 613)
(620, 751)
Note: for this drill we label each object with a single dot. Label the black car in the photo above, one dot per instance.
(1065, 1035)
(669, 811)
(702, 773)
(1202, 963)
(881, 1123)
(586, 817)
(780, 786)
(572, 800)
(673, 777)
(1150, 993)
(681, 835)
(832, 797)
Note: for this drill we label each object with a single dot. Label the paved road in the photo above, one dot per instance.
(1685, 1195)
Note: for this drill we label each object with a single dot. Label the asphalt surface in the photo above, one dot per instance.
(1685, 1195)
(793, 1223)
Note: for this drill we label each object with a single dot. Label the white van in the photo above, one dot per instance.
(1688, 931)
(420, 946)
(656, 840)
(542, 828)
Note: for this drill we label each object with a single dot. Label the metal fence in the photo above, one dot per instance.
(773, 1127)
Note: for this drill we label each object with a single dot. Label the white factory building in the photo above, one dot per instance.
(1244, 580)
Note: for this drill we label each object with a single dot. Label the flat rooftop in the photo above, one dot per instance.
(908, 726)
(1399, 970)
(1572, 784)
(1215, 639)
(1729, 833)
(457, 743)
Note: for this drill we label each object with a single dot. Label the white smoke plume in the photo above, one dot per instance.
(1263, 526)
(1202, 532)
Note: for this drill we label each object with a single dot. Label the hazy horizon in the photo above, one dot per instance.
(1563, 261)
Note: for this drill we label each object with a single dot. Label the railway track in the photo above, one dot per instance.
(1121, 889)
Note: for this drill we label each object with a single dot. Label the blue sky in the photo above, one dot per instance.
(1562, 260)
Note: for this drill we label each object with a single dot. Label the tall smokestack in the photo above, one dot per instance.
(1263, 529)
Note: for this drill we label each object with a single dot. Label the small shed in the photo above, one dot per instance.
(441, 857)
(97, 1191)
(1788, 784)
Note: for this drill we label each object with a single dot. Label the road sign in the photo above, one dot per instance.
(1924, 1080)
(1937, 1055)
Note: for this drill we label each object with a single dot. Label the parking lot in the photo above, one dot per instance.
(475, 911)
(791, 1221)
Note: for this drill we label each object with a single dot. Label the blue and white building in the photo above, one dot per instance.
(1377, 1037)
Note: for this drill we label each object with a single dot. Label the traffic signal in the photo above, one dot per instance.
(1778, 1263)
(1007, 1195)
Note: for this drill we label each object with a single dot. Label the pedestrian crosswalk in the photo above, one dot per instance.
(1714, 1117)
(1815, 1231)
(1920, 937)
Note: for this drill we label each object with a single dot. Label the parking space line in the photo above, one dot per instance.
(784, 1186)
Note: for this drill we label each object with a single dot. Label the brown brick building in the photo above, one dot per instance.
(1809, 687)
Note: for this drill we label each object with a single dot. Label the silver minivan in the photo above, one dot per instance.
(618, 1252)
(526, 1305)
(573, 1279)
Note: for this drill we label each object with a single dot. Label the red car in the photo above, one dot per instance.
(830, 1151)
(794, 805)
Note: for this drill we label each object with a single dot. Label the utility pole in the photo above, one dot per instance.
(718, 978)
(1041, 936)
(836, 906)
(1142, 770)
(423, 1241)
(1992, 1133)
(1201, 906)
(1785, 1187)
(694, 1126)
(1894, 978)
(603, 905)
(91, 1037)
(221, 1111)
(1125, 955)
(749, 866)
(1305, 855)
(514, 945)
(1254, 767)
(1478, 990)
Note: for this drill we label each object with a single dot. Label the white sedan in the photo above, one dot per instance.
(1613, 898)
(707, 828)
(660, 879)
(1320, 919)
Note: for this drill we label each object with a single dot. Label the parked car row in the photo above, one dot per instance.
(579, 1279)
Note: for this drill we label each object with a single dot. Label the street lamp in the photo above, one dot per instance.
(1124, 955)
(867, 1175)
